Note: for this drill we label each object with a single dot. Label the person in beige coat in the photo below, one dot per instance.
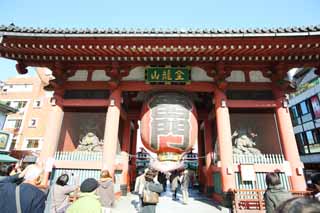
(105, 191)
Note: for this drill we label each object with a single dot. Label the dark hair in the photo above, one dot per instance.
(299, 204)
(272, 179)
(62, 180)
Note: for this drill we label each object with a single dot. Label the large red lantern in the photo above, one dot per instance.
(169, 125)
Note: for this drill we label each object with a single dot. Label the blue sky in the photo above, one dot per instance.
(155, 14)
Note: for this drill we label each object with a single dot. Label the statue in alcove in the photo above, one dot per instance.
(244, 142)
(90, 142)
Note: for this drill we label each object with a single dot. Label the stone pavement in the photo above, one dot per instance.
(197, 203)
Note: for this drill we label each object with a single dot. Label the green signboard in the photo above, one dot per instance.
(167, 75)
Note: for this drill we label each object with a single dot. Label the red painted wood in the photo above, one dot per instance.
(251, 104)
(85, 103)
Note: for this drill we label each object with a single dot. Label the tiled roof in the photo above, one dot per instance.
(15, 29)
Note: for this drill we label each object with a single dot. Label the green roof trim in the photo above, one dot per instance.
(7, 158)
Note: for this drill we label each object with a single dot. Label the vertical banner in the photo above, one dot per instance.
(315, 106)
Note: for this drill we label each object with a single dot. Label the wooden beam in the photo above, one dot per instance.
(85, 103)
(142, 86)
(251, 104)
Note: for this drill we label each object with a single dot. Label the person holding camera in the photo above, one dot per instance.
(26, 197)
(60, 193)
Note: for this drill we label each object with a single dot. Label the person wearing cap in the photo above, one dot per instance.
(88, 201)
(32, 199)
(105, 191)
(153, 185)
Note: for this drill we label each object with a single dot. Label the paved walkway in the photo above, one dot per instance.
(197, 204)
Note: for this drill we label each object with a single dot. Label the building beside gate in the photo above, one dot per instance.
(234, 84)
(305, 114)
(28, 123)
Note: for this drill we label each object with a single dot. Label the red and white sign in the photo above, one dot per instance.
(316, 106)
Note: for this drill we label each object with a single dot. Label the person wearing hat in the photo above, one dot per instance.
(152, 185)
(105, 191)
(88, 201)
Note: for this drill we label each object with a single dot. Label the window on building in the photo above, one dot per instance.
(304, 107)
(33, 122)
(37, 104)
(13, 144)
(309, 136)
(294, 112)
(18, 104)
(32, 143)
(300, 143)
(13, 123)
(19, 88)
(315, 146)
(309, 142)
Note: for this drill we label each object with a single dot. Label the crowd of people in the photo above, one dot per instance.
(279, 200)
(157, 181)
(23, 192)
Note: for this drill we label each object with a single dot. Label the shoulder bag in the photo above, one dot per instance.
(150, 197)
(18, 204)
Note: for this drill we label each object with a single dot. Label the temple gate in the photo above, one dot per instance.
(237, 81)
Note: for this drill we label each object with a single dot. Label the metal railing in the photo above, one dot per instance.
(259, 159)
(83, 156)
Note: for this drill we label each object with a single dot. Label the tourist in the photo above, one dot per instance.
(174, 181)
(32, 199)
(316, 184)
(163, 180)
(139, 186)
(184, 182)
(274, 194)
(105, 191)
(60, 194)
(88, 200)
(152, 185)
(298, 205)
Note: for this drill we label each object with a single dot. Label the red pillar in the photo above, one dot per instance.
(224, 141)
(208, 152)
(288, 143)
(134, 152)
(125, 154)
(200, 160)
(51, 137)
(111, 131)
